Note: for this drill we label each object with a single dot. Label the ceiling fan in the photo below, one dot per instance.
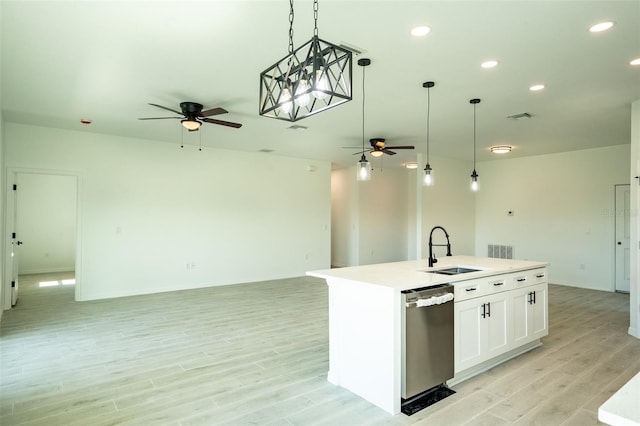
(379, 147)
(193, 116)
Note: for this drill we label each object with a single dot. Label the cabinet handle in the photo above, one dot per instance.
(533, 293)
(498, 283)
(521, 279)
(484, 310)
(470, 289)
(540, 276)
(488, 309)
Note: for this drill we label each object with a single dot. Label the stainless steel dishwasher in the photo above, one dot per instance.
(427, 338)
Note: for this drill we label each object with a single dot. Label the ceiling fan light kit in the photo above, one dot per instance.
(310, 79)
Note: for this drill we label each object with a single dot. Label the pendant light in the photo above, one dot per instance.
(364, 167)
(310, 79)
(428, 171)
(474, 175)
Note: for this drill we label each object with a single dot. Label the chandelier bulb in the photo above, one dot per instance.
(285, 100)
(302, 97)
(320, 84)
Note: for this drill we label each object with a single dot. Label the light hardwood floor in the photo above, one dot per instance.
(258, 354)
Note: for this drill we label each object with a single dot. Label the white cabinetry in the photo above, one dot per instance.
(498, 314)
(481, 329)
(529, 315)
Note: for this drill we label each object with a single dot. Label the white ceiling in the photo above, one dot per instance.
(106, 60)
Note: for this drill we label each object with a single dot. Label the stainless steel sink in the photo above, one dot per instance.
(453, 270)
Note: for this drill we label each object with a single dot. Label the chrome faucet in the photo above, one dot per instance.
(432, 257)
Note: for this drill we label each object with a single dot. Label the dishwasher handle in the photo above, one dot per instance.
(431, 301)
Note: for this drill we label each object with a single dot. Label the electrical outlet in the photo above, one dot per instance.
(510, 213)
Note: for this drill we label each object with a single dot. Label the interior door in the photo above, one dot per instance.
(623, 233)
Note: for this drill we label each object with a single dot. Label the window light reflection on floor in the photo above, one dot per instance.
(69, 281)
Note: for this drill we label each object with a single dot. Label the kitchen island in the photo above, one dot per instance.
(365, 319)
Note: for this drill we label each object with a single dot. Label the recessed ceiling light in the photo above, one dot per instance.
(420, 31)
(635, 62)
(537, 87)
(489, 64)
(601, 26)
(501, 149)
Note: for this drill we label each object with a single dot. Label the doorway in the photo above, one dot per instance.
(42, 224)
(622, 234)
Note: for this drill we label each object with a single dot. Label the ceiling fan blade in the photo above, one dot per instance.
(386, 151)
(160, 118)
(361, 152)
(213, 111)
(400, 147)
(222, 123)
(168, 109)
(351, 147)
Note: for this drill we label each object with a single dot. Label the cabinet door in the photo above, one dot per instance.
(468, 324)
(520, 317)
(496, 317)
(529, 314)
(538, 312)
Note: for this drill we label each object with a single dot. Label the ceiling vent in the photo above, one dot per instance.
(521, 116)
(297, 127)
(353, 49)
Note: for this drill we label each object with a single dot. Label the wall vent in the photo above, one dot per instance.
(500, 251)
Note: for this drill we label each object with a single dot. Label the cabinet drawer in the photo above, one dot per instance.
(480, 287)
(539, 276)
(468, 290)
(521, 279)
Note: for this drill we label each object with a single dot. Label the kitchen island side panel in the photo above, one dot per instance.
(364, 341)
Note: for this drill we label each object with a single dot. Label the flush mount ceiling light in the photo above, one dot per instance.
(489, 64)
(601, 26)
(420, 31)
(310, 79)
(500, 149)
(428, 171)
(474, 175)
(635, 61)
(537, 87)
(364, 167)
(411, 165)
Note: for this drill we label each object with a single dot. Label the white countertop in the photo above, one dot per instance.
(414, 273)
(623, 408)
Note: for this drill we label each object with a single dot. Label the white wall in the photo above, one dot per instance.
(563, 211)
(345, 220)
(154, 217)
(383, 210)
(46, 222)
(450, 203)
(369, 219)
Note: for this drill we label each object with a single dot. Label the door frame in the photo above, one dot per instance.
(615, 234)
(10, 220)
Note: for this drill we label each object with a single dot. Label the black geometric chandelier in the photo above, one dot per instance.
(310, 79)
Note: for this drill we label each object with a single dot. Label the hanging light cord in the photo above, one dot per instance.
(363, 74)
(428, 113)
(474, 136)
